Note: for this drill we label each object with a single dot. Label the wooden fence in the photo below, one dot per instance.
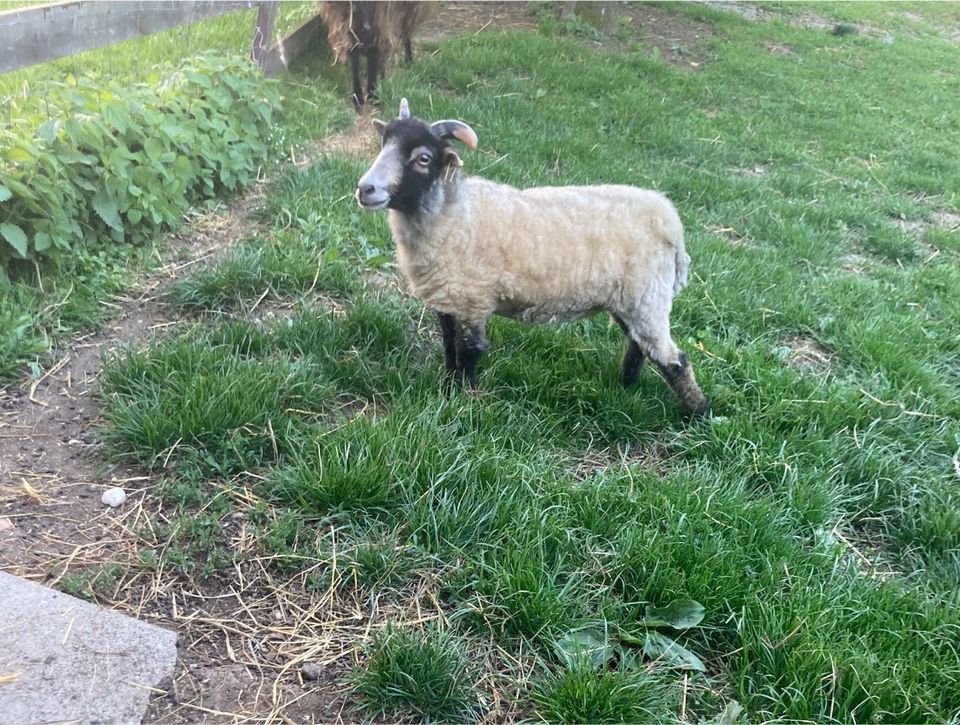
(40, 33)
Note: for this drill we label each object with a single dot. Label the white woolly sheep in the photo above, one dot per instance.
(471, 248)
(374, 29)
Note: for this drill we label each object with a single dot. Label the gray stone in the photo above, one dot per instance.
(75, 661)
(113, 497)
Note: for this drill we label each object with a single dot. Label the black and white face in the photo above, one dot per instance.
(410, 163)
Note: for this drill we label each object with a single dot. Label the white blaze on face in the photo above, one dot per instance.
(382, 178)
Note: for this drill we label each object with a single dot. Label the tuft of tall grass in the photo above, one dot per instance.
(424, 675)
(584, 694)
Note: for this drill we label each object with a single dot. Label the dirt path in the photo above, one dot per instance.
(52, 473)
(54, 529)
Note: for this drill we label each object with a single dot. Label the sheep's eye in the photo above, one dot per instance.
(424, 159)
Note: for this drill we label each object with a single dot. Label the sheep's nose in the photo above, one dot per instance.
(370, 196)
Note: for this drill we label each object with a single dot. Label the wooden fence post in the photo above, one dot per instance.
(610, 16)
(566, 8)
(263, 30)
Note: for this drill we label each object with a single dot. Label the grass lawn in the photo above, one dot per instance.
(816, 517)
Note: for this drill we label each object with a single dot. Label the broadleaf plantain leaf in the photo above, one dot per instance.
(679, 614)
(661, 647)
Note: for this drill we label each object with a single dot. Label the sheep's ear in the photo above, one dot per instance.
(451, 158)
(380, 126)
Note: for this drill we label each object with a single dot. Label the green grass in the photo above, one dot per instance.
(423, 675)
(91, 581)
(815, 517)
(583, 695)
(48, 303)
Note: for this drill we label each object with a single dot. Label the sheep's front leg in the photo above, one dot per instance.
(471, 344)
(448, 326)
(374, 69)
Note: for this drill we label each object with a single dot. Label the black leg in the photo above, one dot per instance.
(679, 377)
(633, 358)
(471, 344)
(355, 70)
(373, 68)
(448, 326)
(408, 49)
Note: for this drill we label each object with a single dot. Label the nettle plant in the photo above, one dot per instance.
(95, 162)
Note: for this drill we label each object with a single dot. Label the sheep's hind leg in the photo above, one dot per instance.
(678, 373)
(654, 339)
(633, 358)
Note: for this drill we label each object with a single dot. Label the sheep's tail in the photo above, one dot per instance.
(671, 230)
(683, 267)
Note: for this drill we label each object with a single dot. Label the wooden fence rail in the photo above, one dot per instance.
(40, 33)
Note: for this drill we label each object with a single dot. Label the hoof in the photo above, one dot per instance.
(701, 412)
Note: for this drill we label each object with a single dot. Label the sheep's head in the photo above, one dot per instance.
(414, 159)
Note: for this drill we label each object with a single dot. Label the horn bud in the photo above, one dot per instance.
(455, 129)
(404, 109)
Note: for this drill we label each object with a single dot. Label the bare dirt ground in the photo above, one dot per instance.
(51, 473)
(678, 39)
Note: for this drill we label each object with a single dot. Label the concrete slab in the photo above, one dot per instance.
(75, 662)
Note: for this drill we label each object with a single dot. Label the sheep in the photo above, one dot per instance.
(471, 248)
(372, 29)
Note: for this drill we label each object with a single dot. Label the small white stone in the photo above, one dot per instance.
(311, 670)
(113, 497)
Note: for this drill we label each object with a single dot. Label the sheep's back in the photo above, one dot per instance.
(382, 23)
(337, 16)
(543, 254)
(585, 242)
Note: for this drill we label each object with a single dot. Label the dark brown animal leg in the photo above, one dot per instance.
(448, 326)
(679, 376)
(355, 70)
(374, 68)
(471, 344)
(633, 358)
